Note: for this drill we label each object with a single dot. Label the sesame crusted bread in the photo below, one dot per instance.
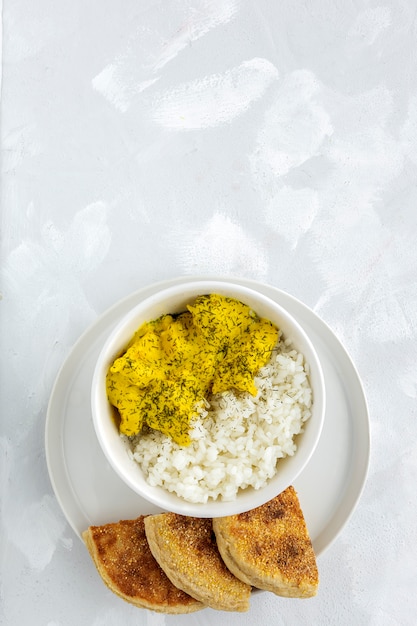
(269, 547)
(185, 548)
(123, 559)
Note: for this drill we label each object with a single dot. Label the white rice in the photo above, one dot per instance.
(237, 439)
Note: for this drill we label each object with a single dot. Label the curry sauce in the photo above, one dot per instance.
(174, 363)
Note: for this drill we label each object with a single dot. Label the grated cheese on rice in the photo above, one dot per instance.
(237, 439)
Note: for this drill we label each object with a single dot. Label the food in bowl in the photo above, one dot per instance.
(210, 399)
(174, 362)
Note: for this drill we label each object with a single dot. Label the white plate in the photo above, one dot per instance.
(90, 493)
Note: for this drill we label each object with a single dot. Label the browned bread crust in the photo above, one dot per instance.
(123, 559)
(269, 547)
(185, 548)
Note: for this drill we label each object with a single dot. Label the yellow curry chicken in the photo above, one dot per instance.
(173, 363)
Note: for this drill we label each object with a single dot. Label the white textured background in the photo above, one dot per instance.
(142, 140)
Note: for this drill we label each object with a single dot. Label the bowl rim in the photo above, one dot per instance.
(159, 496)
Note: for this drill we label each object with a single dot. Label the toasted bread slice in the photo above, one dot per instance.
(123, 559)
(270, 548)
(185, 548)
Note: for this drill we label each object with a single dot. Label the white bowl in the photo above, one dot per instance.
(174, 300)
